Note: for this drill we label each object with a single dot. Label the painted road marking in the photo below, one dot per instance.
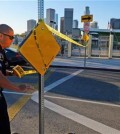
(16, 93)
(94, 125)
(16, 107)
(82, 100)
(58, 82)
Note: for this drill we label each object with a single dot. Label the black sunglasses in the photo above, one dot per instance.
(10, 37)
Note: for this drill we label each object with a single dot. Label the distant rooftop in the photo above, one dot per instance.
(103, 30)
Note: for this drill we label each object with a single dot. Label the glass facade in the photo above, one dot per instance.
(40, 9)
(68, 20)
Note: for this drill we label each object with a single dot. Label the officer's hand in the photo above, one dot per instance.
(26, 88)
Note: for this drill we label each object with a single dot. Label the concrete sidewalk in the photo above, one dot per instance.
(103, 63)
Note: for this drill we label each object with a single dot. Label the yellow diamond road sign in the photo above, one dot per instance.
(40, 48)
(87, 18)
(85, 37)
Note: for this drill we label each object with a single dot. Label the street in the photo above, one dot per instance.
(76, 101)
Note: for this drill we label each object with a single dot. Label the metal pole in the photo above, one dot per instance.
(85, 58)
(41, 104)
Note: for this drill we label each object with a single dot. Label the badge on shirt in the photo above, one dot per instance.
(1, 57)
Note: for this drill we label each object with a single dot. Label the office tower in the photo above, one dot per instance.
(94, 24)
(75, 23)
(68, 20)
(30, 24)
(115, 23)
(50, 17)
(87, 11)
(40, 9)
(56, 20)
(62, 24)
(76, 33)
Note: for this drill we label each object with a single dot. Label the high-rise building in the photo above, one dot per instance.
(56, 21)
(87, 11)
(94, 24)
(30, 24)
(75, 23)
(50, 17)
(68, 20)
(115, 23)
(76, 33)
(62, 24)
(40, 9)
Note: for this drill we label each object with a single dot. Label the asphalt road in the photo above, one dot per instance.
(76, 101)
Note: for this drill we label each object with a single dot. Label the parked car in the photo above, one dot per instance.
(14, 57)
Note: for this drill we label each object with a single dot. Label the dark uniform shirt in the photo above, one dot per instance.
(3, 61)
(4, 119)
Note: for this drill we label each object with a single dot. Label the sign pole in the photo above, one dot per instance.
(41, 104)
(85, 56)
(86, 19)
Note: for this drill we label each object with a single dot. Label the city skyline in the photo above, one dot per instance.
(16, 13)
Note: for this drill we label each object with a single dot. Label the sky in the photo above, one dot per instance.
(16, 12)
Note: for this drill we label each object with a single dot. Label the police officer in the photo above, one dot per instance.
(6, 38)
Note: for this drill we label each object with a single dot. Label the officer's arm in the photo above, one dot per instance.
(5, 83)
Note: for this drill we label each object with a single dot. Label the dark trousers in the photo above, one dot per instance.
(4, 119)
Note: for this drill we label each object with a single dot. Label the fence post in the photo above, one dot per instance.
(69, 47)
(111, 39)
(89, 46)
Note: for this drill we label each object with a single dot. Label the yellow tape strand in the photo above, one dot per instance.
(18, 71)
(63, 36)
(30, 72)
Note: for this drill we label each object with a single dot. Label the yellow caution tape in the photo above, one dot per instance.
(63, 36)
(18, 71)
